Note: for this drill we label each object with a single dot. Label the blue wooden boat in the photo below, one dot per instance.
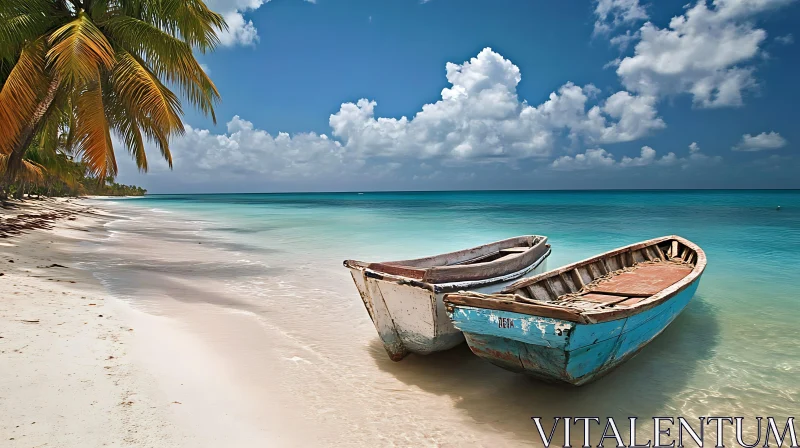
(577, 322)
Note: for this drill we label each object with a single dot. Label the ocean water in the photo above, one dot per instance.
(732, 352)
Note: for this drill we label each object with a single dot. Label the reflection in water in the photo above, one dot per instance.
(506, 401)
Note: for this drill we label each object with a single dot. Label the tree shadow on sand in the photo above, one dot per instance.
(645, 386)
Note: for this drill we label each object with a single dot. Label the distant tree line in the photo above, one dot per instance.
(111, 188)
(56, 174)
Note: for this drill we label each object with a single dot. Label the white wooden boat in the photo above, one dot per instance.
(404, 298)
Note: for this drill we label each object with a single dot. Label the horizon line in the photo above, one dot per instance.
(486, 191)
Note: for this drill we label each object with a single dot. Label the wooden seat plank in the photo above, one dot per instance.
(645, 280)
(591, 300)
(631, 301)
(600, 298)
(506, 255)
(514, 250)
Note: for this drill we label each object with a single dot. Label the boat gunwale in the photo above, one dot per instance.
(428, 275)
(444, 287)
(505, 300)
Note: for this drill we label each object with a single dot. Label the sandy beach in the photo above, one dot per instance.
(67, 376)
(81, 369)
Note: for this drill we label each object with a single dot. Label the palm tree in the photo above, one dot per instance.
(74, 71)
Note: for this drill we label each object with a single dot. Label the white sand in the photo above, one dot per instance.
(66, 373)
(79, 368)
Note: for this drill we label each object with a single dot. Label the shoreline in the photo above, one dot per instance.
(68, 377)
(82, 367)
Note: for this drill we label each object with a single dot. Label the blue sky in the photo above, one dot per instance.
(497, 94)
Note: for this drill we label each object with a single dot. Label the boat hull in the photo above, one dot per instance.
(559, 350)
(410, 316)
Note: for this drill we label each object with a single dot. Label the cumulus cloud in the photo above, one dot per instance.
(481, 116)
(761, 142)
(697, 157)
(241, 31)
(478, 119)
(647, 157)
(787, 39)
(614, 13)
(703, 52)
(247, 152)
(592, 158)
(600, 158)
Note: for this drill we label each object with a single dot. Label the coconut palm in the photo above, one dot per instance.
(72, 72)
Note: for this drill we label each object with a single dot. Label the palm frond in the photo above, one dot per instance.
(141, 90)
(23, 21)
(169, 58)
(21, 92)
(29, 171)
(92, 135)
(189, 20)
(78, 50)
(153, 133)
(124, 121)
(132, 135)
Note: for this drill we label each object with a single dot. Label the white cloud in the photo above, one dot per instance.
(696, 157)
(647, 157)
(761, 142)
(481, 116)
(600, 158)
(592, 158)
(479, 119)
(703, 52)
(624, 40)
(614, 13)
(241, 31)
(636, 117)
(785, 40)
(244, 151)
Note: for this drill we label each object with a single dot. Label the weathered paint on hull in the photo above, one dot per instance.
(563, 351)
(410, 318)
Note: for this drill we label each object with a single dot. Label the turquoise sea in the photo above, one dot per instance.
(735, 350)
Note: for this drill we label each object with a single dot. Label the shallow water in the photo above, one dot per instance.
(733, 351)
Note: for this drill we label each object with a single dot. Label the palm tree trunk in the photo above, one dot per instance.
(29, 131)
